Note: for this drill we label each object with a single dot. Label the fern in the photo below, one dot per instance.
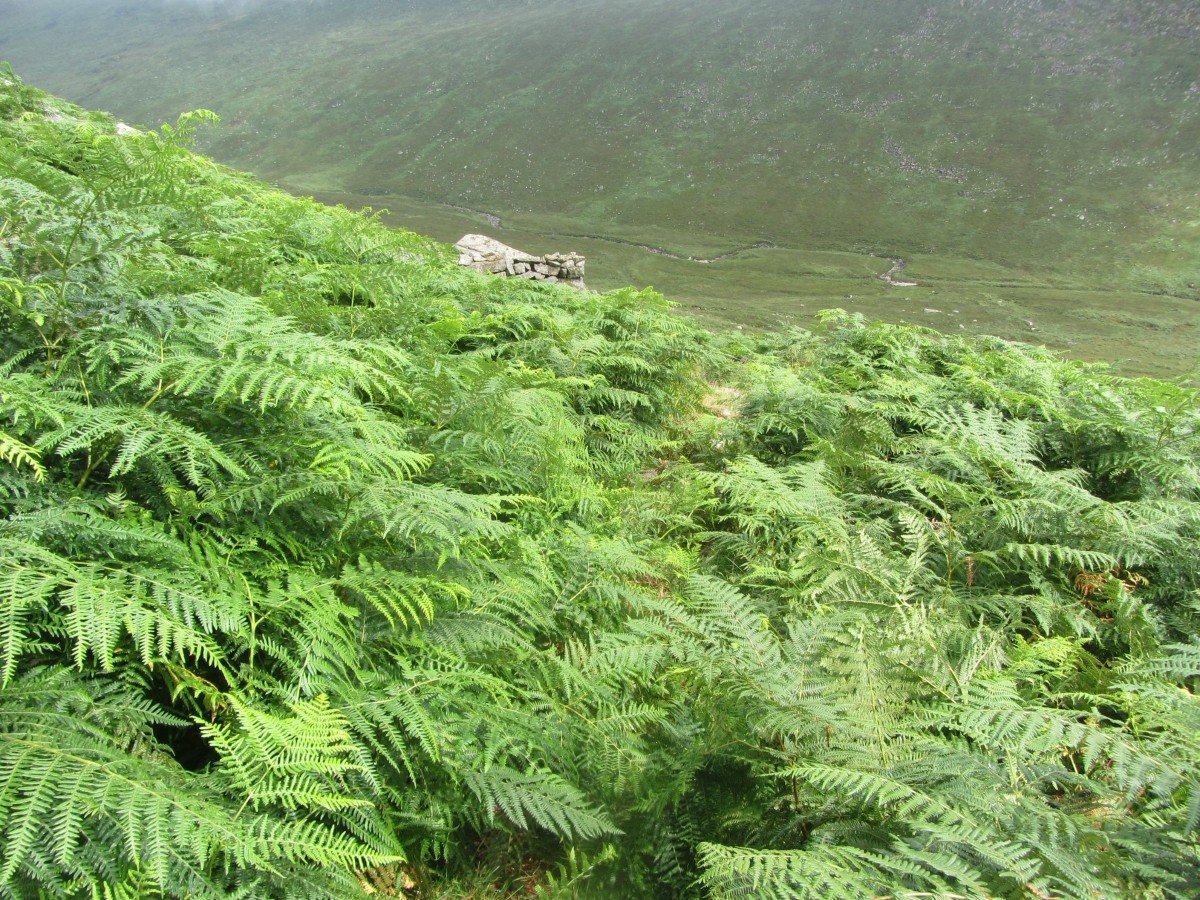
(319, 554)
(68, 781)
(537, 798)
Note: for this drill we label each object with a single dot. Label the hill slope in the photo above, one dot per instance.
(1003, 149)
(330, 569)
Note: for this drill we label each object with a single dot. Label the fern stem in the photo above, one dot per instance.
(92, 465)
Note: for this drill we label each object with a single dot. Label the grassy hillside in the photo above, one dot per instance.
(1034, 160)
(329, 569)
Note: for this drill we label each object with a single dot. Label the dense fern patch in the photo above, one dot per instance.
(328, 566)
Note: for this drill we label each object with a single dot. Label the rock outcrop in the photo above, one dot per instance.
(485, 254)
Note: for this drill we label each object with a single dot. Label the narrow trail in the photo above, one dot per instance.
(889, 277)
(496, 222)
(492, 218)
(663, 251)
(898, 265)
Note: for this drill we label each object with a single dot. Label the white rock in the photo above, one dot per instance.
(486, 254)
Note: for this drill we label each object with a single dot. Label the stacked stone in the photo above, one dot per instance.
(485, 254)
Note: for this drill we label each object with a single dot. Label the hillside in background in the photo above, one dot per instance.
(1035, 161)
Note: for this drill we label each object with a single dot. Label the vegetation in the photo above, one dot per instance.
(330, 568)
(1033, 160)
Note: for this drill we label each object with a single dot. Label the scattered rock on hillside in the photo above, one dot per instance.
(485, 254)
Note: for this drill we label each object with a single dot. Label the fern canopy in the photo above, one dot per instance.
(328, 568)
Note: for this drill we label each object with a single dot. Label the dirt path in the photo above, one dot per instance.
(663, 251)
(492, 218)
(898, 265)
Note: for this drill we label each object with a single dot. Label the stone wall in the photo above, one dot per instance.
(485, 254)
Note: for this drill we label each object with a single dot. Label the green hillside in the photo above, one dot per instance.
(1033, 161)
(329, 569)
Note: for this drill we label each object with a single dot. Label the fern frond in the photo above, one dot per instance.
(20, 454)
(537, 798)
(65, 784)
(829, 874)
(24, 591)
(297, 761)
